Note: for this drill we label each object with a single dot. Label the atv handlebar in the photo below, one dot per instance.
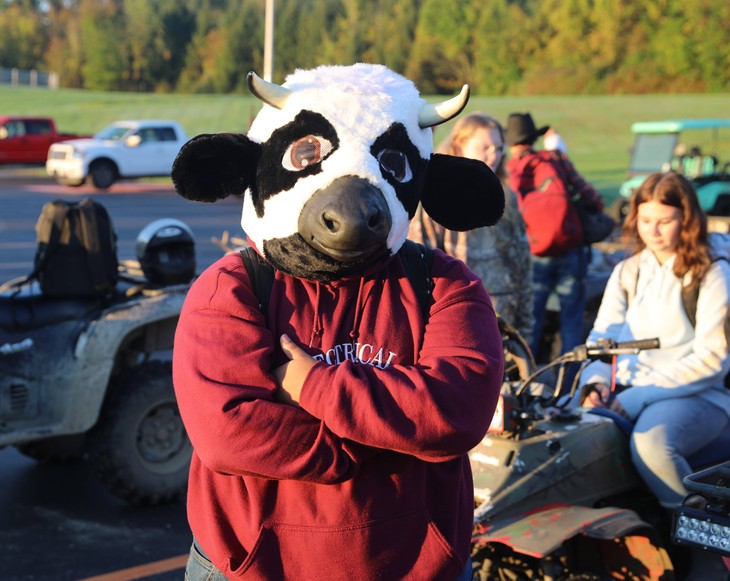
(609, 348)
(604, 350)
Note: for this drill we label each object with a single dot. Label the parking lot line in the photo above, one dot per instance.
(142, 571)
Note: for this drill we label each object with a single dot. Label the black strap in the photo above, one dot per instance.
(417, 260)
(89, 226)
(61, 209)
(261, 275)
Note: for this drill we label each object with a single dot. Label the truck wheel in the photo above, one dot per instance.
(139, 448)
(58, 450)
(103, 174)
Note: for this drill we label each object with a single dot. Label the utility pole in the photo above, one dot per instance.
(269, 42)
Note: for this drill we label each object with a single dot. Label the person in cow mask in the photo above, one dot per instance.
(331, 429)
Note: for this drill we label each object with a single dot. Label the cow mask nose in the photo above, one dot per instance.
(346, 220)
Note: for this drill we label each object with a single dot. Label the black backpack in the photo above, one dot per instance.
(417, 260)
(76, 254)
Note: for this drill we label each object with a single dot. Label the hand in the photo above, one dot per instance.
(596, 398)
(291, 375)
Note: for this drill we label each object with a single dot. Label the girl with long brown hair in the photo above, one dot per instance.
(668, 392)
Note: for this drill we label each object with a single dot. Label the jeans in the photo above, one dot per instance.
(565, 275)
(467, 573)
(665, 434)
(199, 568)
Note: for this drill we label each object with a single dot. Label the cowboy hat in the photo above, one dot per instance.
(521, 129)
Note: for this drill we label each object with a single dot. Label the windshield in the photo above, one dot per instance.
(652, 152)
(112, 133)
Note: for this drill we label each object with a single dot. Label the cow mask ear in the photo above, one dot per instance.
(211, 167)
(462, 194)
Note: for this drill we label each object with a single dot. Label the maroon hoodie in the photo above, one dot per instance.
(370, 479)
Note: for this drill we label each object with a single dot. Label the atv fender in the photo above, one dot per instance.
(542, 532)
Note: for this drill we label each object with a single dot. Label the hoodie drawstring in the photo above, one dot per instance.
(358, 312)
(316, 339)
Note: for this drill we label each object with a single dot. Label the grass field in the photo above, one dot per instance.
(596, 128)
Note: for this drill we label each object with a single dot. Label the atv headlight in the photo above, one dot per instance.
(703, 529)
(703, 519)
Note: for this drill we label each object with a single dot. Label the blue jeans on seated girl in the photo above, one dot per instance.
(666, 433)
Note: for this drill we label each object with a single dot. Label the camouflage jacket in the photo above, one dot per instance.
(499, 255)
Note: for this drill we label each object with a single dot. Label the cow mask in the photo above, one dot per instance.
(333, 168)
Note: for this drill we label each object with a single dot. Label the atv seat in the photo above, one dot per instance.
(716, 451)
(31, 312)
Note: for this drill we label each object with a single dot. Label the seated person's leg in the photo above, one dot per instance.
(665, 434)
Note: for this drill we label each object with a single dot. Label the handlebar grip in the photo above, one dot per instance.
(639, 344)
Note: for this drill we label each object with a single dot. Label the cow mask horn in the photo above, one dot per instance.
(333, 168)
(429, 115)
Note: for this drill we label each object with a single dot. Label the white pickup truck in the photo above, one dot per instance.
(125, 149)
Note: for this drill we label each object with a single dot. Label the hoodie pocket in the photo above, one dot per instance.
(407, 546)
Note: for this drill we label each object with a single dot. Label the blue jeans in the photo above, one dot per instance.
(665, 434)
(564, 275)
(199, 568)
(467, 573)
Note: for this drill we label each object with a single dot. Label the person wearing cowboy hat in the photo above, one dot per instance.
(521, 130)
(560, 268)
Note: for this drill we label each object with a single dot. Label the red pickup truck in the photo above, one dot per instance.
(25, 140)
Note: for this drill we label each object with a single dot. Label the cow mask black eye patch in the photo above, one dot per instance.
(400, 164)
(293, 151)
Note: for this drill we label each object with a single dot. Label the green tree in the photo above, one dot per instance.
(443, 57)
(104, 50)
(711, 42)
(344, 42)
(498, 48)
(23, 34)
(390, 33)
(301, 26)
(64, 54)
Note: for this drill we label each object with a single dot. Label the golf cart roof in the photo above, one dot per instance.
(677, 125)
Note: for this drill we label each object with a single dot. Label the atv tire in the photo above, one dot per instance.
(139, 448)
(58, 450)
(580, 558)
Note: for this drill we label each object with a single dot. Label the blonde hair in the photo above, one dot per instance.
(463, 130)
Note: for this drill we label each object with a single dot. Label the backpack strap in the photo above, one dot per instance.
(417, 261)
(261, 275)
(629, 277)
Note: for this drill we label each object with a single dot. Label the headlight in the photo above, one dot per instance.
(703, 529)
(76, 154)
(703, 519)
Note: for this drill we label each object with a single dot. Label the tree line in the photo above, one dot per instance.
(516, 47)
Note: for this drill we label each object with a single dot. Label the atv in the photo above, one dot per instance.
(556, 493)
(91, 379)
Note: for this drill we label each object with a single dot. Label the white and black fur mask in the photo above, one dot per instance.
(333, 168)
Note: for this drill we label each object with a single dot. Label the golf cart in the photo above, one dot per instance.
(697, 148)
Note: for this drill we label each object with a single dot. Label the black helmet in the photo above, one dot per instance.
(166, 251)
